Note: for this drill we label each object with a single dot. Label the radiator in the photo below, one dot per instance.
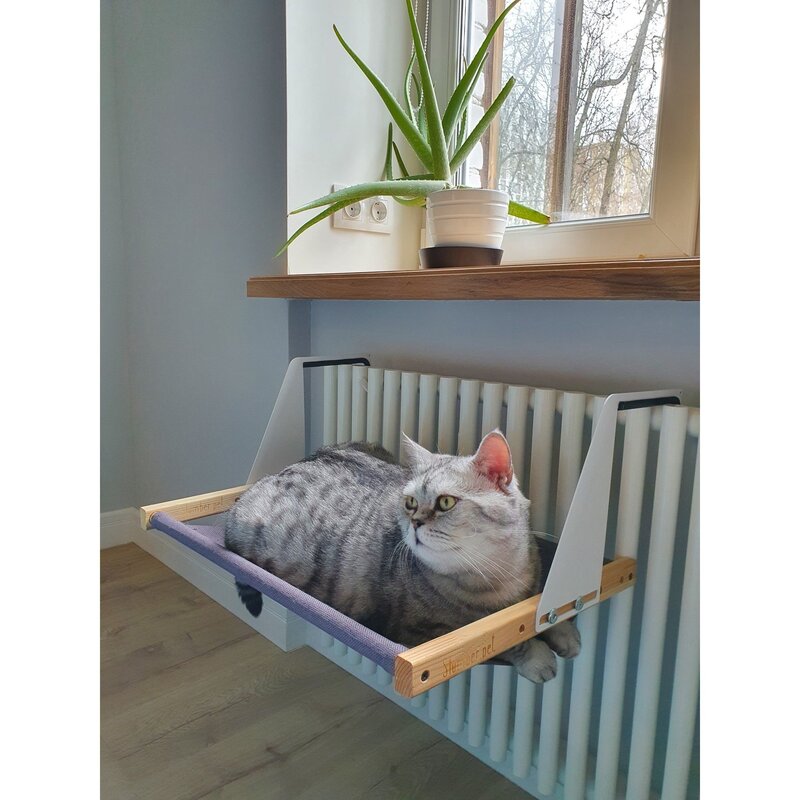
(620, 721)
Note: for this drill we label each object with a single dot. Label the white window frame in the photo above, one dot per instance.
(671, 228)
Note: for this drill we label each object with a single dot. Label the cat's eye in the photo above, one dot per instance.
(411, 503)
(444, 502)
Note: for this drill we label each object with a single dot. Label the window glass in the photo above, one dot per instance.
(576, 137)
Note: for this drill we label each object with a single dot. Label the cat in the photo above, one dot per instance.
(411, 552)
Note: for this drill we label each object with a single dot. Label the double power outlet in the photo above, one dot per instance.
(373, 215)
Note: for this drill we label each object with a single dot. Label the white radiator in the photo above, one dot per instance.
(620, 721)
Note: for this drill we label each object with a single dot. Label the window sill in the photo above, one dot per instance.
(649, 279)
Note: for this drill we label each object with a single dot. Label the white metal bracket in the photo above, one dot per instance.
(284, 440)
(573, 582)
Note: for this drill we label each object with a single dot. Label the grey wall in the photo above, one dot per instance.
(598, 347)
(193, 203)
(116, 458)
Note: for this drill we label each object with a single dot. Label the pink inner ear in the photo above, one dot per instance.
(493, 460)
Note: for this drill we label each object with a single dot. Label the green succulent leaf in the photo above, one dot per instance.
(387, 162)
(462, 128)
(470, 92)
(418, 90)
(361, 191)
(402, 120)
(435, 135)
(313, 221)
(401, 163)
(468, 96)
(410, 110)
(463, 91)
(525, 212)
(422, 122)
(484, 122)
(411, 201)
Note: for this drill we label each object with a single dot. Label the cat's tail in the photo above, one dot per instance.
(252, 599)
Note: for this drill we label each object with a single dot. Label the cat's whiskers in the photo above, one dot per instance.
(405, 558)
(409, 560)
(495, 581)
(506, 578)
(496, 568)
(397, 551)
(463, 558)
(437, 536)
(491, 586)
(501, 528)
(468, 557)
(478, 560)
(498, 565)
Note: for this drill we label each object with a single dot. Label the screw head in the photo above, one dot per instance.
(579, 604)
(552, 617)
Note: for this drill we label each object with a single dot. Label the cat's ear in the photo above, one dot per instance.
(414, 455)
(493, 459)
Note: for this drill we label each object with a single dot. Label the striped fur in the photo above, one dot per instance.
(336, 526)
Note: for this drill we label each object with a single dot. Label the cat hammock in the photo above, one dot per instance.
(578, 577)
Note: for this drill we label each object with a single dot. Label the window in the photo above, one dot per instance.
(601, 130)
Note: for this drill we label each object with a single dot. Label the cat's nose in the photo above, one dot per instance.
(417, 522)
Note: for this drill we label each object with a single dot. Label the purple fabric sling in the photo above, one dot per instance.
(208, 541)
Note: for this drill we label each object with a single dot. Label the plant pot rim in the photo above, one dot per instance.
(497, 194)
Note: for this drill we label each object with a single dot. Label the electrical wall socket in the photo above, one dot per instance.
(373, 215)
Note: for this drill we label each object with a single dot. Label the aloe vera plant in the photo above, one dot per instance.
(440, 141)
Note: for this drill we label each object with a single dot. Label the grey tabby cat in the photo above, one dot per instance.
(410, 552)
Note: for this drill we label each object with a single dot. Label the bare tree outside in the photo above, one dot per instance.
(577, 138)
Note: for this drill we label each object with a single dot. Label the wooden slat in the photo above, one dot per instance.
(442, 658)
(646, 279)
(201, 505)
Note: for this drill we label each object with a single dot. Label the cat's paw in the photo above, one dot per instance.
(564, 639)
(539, 663)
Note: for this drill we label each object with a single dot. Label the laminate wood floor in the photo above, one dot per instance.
(195, 704)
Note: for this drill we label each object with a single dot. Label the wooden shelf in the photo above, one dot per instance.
(647, 279)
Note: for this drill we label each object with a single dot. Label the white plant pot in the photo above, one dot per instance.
(467, 217)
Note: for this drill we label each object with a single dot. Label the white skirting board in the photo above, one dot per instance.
(118, 527)
(280, 626)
